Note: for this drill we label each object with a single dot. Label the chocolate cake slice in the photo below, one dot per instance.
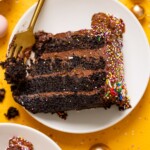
(73, 70)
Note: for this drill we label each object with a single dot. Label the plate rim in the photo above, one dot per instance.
(131, 109)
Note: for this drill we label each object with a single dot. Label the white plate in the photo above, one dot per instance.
(63, 15)
(8, 130)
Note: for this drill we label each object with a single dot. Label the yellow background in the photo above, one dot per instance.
(132, 133)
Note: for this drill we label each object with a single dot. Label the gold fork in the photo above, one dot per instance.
(26, 39)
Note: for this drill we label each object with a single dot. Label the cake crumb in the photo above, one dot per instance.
(12, 113)
(62, 115)
(2, 94)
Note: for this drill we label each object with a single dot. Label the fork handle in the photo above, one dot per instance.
(36, 14)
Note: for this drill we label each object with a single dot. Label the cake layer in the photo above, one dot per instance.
(60, 83)
(58, 103)
(87, 53)
(56, 65)
(68, 41)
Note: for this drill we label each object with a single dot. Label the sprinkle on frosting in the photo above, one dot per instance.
(116, 88)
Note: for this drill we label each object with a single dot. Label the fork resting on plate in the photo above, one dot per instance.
(25, 39)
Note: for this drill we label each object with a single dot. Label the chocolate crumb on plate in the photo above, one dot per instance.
(62, 115)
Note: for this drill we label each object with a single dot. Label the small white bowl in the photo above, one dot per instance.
(39, 140)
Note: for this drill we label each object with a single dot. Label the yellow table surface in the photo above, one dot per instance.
(133, 132)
